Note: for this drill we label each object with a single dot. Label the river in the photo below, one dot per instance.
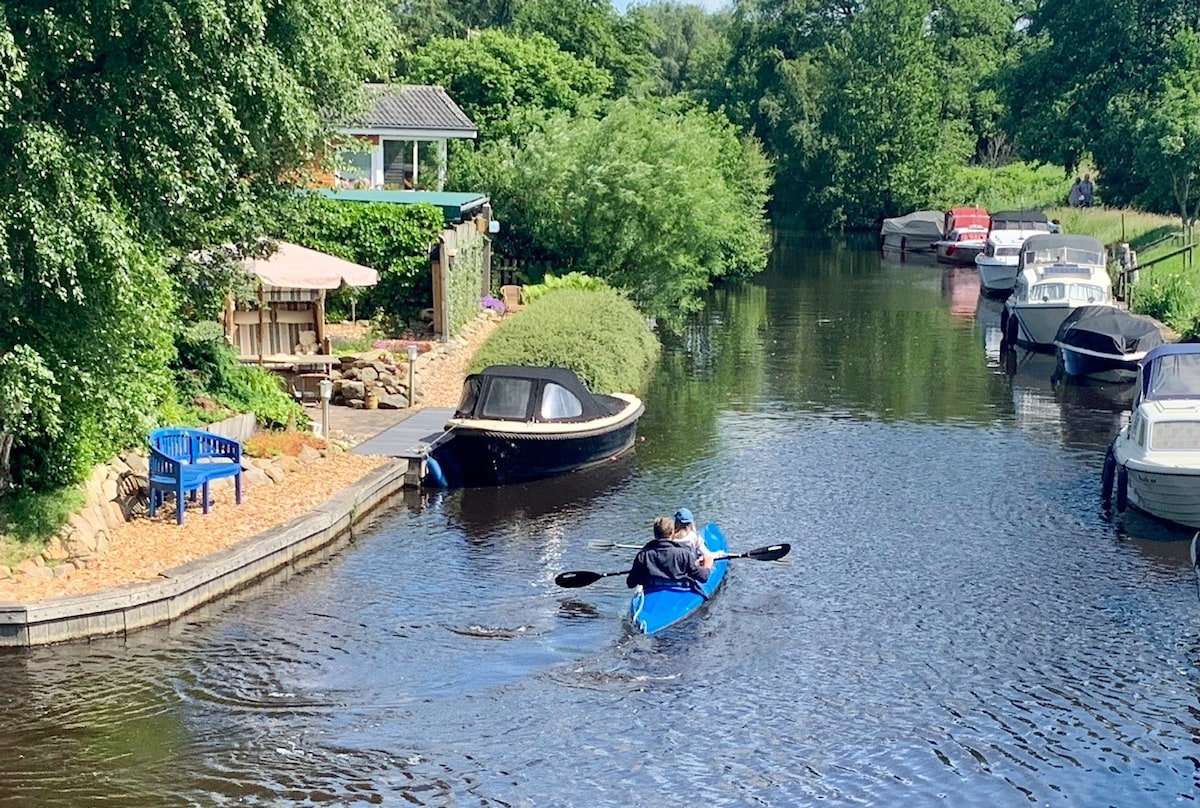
(960, 620)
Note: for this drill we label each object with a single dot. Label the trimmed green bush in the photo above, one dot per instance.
(598, 334)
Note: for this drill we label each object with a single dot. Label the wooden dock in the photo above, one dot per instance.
(410, 438)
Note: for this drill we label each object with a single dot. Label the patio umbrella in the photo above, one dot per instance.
(296, 267)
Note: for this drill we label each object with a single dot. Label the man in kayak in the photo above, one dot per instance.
(663, 561)
(685, 533)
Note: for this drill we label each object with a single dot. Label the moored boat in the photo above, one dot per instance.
(652, 610)
(914, 232)
(965, 230)
(1057, 274)
(516, 423)
(998, 262)
(1154, 462)
(1105, 343)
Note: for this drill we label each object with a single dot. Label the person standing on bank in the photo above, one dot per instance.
(1087, 191)
(1075, 198)
(665, 562)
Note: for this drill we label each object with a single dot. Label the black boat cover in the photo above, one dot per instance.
(519, 393)
(1020, 220)
(1109, 330)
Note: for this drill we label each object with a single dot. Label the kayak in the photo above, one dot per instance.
(654, 609)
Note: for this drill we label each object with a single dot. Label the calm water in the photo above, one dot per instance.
(959, 621)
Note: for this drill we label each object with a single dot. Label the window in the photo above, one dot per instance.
(1175, 436)
(1086, 293)
(507, 399)
(354, 165)
(1047, 292)
(558, 403)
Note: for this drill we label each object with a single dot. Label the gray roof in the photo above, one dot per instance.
(1048, 241)
(417, 107)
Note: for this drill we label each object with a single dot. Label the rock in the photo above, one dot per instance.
(309, 455)
(353, 391)
(256, 476)
(276, 474)
(55, 550)
(393, 402)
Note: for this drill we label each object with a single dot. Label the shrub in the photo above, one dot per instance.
(1169, 297)
(33, 516)
(599, 334)
(572, 280)
(208, 372)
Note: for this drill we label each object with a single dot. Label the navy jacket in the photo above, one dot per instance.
(663, 562)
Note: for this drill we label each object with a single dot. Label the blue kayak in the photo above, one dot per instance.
(654, 609)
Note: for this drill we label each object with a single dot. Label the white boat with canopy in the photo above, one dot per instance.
(1056, 274)
(1154, 462)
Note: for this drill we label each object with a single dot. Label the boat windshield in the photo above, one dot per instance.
(1064, 255)
(507, 398)
(558, 403)
(1175, 376)
(1058, 292)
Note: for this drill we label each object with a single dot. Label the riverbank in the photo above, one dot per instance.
(145, 549)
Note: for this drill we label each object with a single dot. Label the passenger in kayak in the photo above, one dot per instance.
(685, 533)
(665, 562)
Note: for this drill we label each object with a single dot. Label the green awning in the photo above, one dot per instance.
(455, 206)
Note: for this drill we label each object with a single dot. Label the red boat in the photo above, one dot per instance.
(966, 231)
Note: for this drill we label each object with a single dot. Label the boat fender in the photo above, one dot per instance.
(433, 473)
(1107, 476)
(1122, 489)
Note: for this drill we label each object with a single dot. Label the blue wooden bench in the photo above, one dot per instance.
(184, 461)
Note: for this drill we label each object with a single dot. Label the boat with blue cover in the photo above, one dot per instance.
(652, 610)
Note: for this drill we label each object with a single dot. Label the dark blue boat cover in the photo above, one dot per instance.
(1109, 330)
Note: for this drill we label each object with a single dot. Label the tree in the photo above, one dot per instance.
(1167, 153)
(655, 200)
(887, 146)
(130, 134)
(593, 31)
(497, 77)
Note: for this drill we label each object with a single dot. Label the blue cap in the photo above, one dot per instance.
(684, 515)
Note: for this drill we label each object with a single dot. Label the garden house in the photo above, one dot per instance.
(401, 141)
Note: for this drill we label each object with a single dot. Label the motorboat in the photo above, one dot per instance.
(516, 423)
(914, 232)
(1154, 462)
(999, 260)
(1057, 273)
(1105, 343)
(965, 232)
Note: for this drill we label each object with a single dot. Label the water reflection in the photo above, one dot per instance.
(547, 506)
(960, 286)
(987, 322)
(1068, 411)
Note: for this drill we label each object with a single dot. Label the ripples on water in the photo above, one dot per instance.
(959, 620)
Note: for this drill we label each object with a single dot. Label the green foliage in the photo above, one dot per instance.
(1171, 297)
(594, 32)
(1071, 98)
(208, 369)
(34, 516)
(550, 283)
(394, 239)
(890, 146)
(1016, 186)
(654, 200)
(598, 334)
(502, 80)
(690, 45)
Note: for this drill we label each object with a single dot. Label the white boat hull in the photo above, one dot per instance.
(1036, 323)
(996, 278)
(1169, 491)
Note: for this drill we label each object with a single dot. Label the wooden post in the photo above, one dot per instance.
(262, 330)
(320, 318)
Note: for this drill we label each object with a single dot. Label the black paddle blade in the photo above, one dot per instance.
(577, 578)
(772, 553)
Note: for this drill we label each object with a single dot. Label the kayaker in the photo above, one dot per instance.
(664, 561)
(685, 533)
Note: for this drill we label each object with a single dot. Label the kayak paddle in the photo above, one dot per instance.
(578, 578)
